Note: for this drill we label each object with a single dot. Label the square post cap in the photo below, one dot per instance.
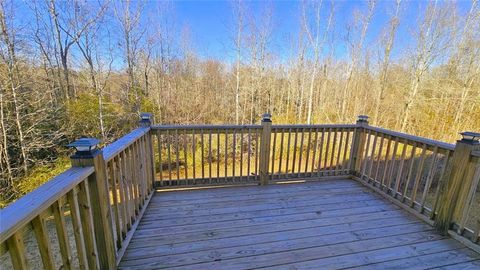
(84, 146)
(145, 116)
(470, 137)
(362, 118)
(266, 117)
(145, 119)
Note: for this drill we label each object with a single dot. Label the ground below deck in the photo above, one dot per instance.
(332, 224)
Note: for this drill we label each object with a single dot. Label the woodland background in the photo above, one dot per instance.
(88, 68)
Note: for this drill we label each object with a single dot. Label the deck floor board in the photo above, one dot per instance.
(329, 224)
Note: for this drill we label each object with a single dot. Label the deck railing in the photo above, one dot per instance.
(91, 209)
(94, 207)
(210, 155)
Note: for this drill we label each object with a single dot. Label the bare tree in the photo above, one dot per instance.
(316, 44)
(8, 55)
(356, 49)
(432, 39)
(128, 16)
(387, 40)
(466, 60)
(240, 26)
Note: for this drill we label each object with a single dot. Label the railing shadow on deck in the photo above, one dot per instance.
(86, 216)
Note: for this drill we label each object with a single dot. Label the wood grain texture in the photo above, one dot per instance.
(317, 225)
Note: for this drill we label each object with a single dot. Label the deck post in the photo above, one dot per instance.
(146, 120)
(87, 154)
(358, 145)
(265, 148)
(458, 182)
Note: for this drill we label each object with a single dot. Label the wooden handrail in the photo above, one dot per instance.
(346, 126)
(199, 127)
(412, 138)
(113, 149)
(21, 212)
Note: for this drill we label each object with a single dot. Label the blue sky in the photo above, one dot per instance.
(210, 23)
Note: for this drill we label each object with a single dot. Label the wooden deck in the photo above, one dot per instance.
(331, 224)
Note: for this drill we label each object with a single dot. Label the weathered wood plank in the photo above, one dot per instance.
(438, 259)
(320, 244)
(339, 256)
(169, 195)
(73, 202)
(16, 247)
(189, 236)
(43, 240)
(332, 224)
(324, 237)
(472, 265)
(161, 220)
(62, 234)
(152, 227)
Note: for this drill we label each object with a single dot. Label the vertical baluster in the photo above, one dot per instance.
(210, 156)
(16, 247)
(169, 156)
(177, 154)
(137, 177)
(315, 145)
(226, 154)
(111, 177)
(320, 154)
(202, 147)
(72, 197)
(185, 160)
(257, 151)
(327, 148)
(385, 165)
(391, 169)
(288, 151)
(128, 188)
(345, 162)
(294, 151)
(134, 173)
(249, 153)
(234, 158)
(372, 158)
(62, 233)
(365, 155)
(440, 184)
(87, 225)
(332, 157)
(419, 174)
(273, 152)
(410, 171)
(140, 178)
(307, 158)
(379, 157)
(429, 180)
(241, 155)
(280, 161)
(302, 132)
(400, 169)
(339, 153)
(194, 151)
(119, 177)
(218, 156)
(41, 234)
(159, 142)
(129, 170)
